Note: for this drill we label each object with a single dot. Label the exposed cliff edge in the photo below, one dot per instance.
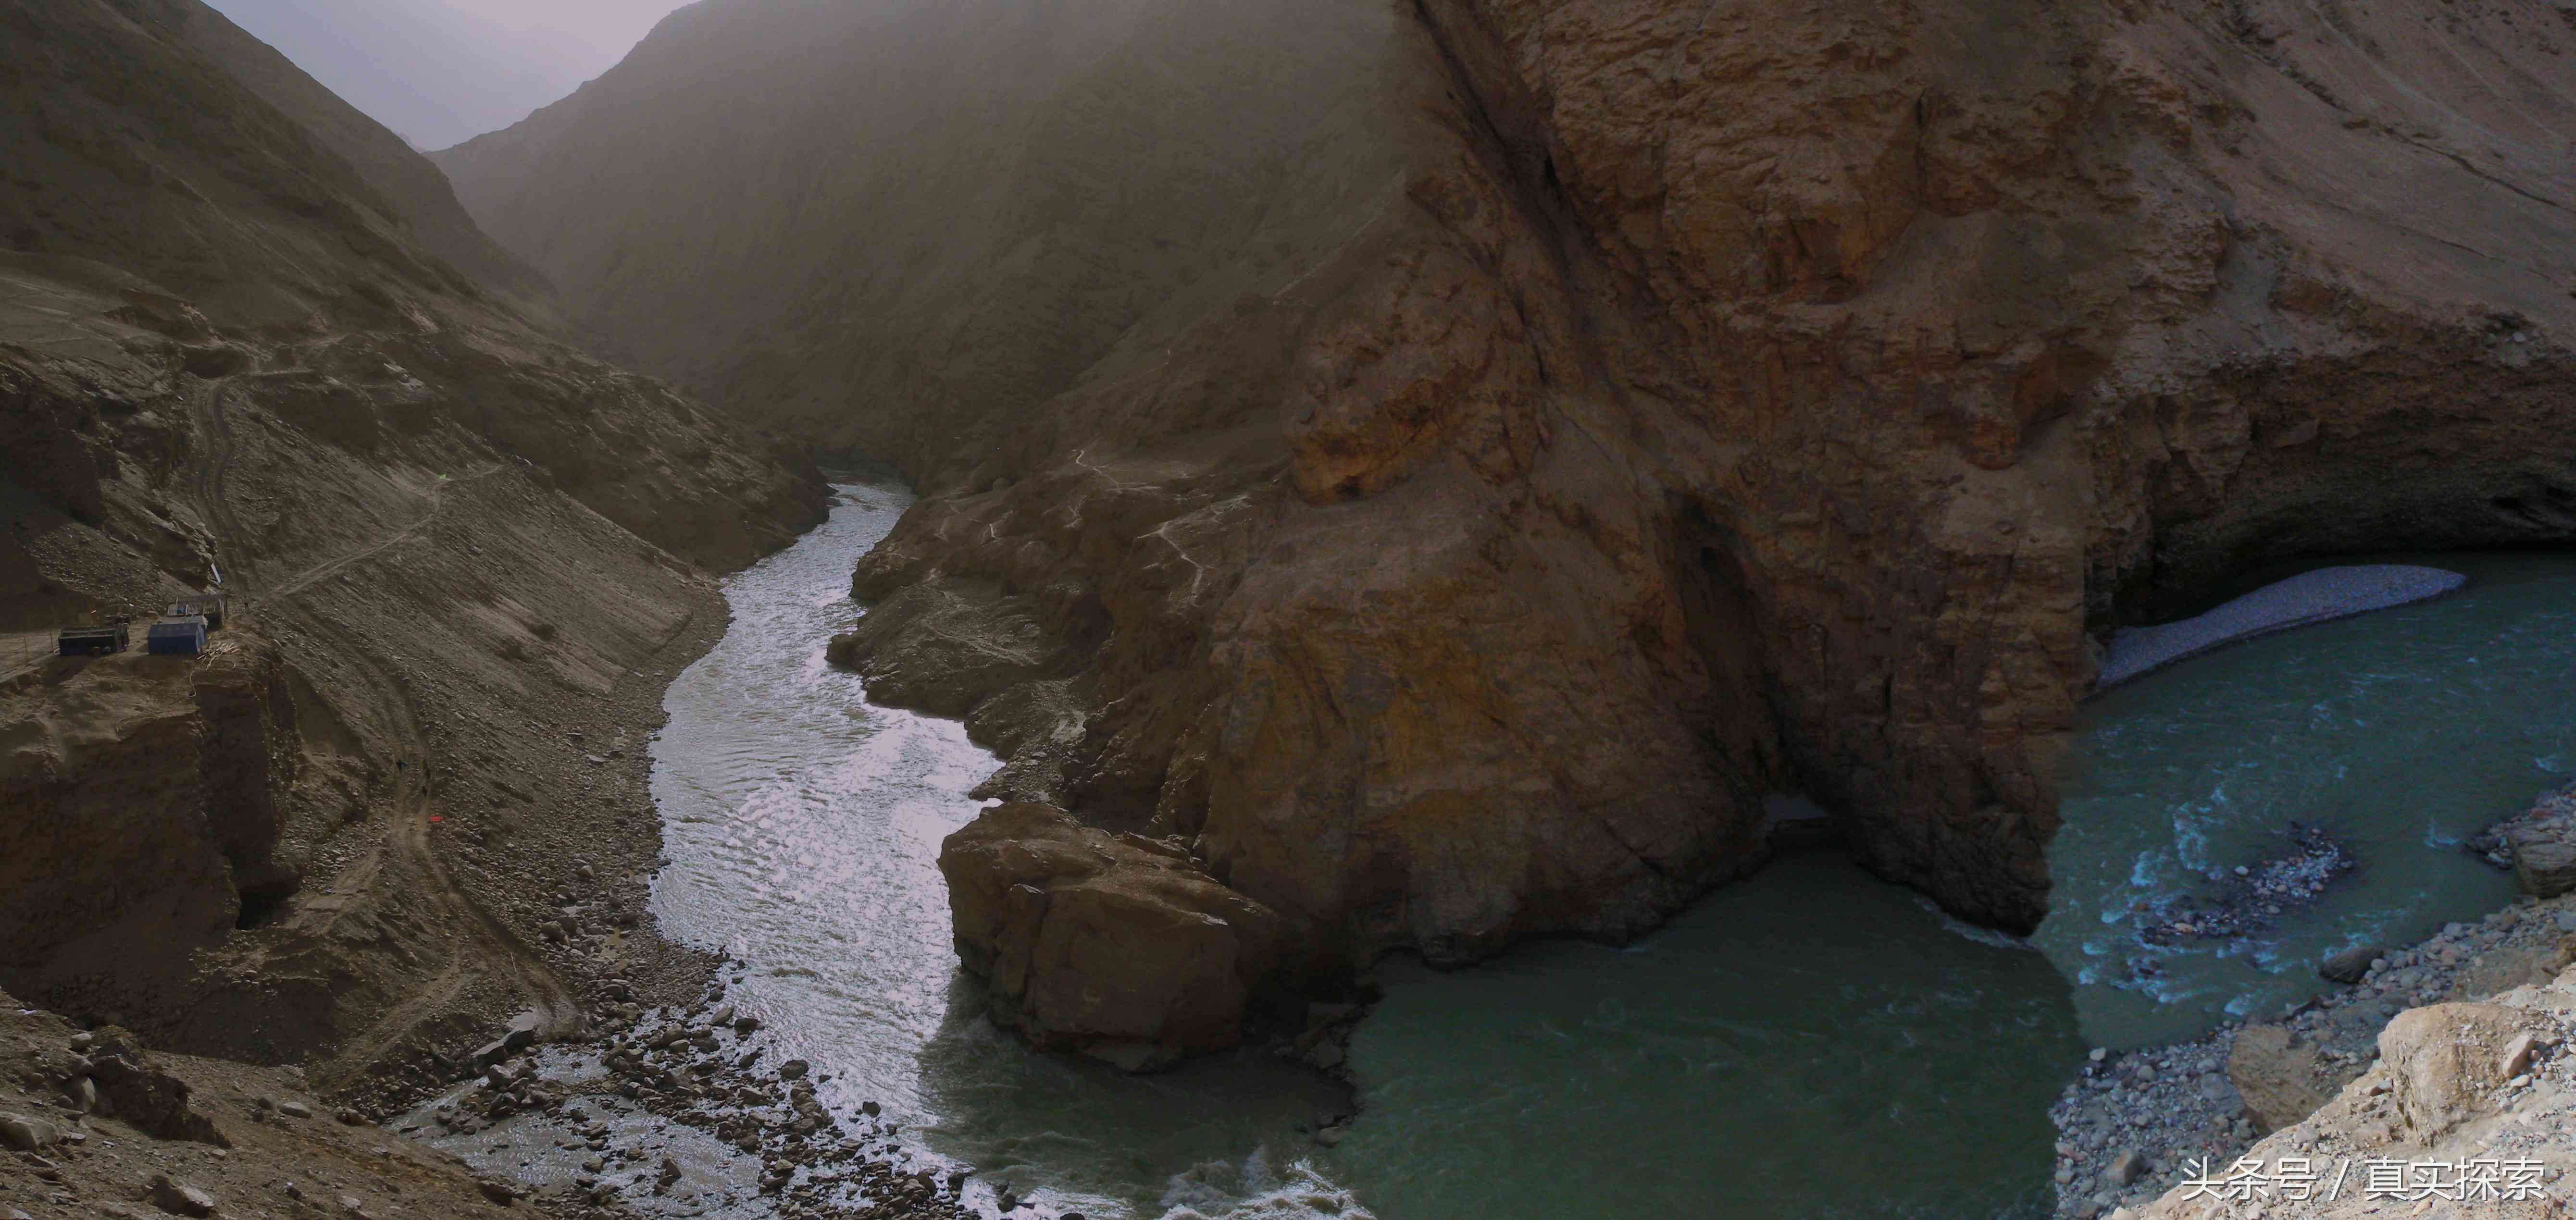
(245, 335)
(1723, 401)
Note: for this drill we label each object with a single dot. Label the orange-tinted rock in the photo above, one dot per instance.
(1700, 403)
(1110, 944)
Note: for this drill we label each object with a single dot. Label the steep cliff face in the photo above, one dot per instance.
(1731, 400)
(146, 800)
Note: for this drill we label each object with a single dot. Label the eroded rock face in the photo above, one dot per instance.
(2445, 1062)
(959, 647)
(1110, 944)
(143, 1094)
(138, 800)
(1778, 402)
(2281, 1080)
(1732, 401)
(2544, 854)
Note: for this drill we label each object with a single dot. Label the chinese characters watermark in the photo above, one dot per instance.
(2298, 1178)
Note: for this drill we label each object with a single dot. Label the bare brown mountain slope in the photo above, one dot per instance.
(1733, 399)
(956, 210)
(406, 180)
(463, 559)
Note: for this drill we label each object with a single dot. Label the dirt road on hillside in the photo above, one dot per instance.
(402, 862)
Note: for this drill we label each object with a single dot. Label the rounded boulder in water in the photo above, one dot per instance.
(2349, 966)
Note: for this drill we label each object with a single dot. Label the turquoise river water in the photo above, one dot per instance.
(1809, 1043)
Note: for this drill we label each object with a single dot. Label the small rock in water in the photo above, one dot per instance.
(2349, 966)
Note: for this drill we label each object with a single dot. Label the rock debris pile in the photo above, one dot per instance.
(763, 1130)
(2132, 1123)
(2254, 895)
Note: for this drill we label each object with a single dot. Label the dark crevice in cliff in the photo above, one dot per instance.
(261, 904)
(1724, 620)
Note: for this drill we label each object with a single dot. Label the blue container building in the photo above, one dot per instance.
(184, 636)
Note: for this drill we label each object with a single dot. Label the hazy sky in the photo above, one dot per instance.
(611, 27)
(441, 71)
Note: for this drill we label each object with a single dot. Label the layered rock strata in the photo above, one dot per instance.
(146, 801)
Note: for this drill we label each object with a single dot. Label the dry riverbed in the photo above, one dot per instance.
(682, 1111)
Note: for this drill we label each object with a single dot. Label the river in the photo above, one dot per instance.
(803, 828)
(1808, 1043)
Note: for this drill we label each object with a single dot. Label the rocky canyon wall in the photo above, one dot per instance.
(245, 335)
(1723, 400)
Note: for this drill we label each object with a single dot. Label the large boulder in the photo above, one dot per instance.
(146, 1096)
(2445, 1063)
(2350, 966)
(1113, 945)
(26, 1134)
(2544, 848)
(2278, 1077)
(942, 648)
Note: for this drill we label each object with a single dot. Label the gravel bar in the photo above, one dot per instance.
(2310, 597)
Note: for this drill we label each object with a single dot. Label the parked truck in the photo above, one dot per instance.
(92, 641)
